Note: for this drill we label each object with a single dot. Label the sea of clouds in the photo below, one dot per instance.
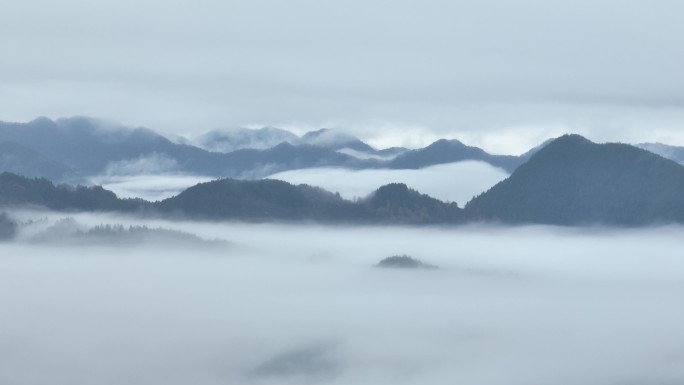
(303, 304)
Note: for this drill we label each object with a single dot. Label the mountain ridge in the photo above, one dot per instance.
(88, 147)
(573, 181)
(570, 182)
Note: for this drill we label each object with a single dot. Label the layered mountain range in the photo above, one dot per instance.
(74, 149)
(569, 181)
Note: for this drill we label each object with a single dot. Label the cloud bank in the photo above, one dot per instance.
(454, 182)
(530, 305)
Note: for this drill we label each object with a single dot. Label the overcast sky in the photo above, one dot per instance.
(501, 74)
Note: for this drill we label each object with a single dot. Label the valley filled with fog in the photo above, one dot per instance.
(452, 182)
(153, 301)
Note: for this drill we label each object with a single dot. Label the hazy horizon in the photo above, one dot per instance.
(501, 75)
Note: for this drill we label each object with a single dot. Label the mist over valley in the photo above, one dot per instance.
(274, 304)
(262, 192)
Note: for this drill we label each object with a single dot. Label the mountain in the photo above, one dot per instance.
(22, 160)
(449, 151)
(247, 200)
(89, 147)
(572, 181)
(675, 153)
(17, 190)
(228, 140)
(259, 200)
(277, 200)
(396, 201)
(75, 149)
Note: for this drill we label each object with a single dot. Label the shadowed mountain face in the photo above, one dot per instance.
(16, 190)
(89, 148)
(396, 200)
(573, 181)
(22, 160)
(259, 200)
(75, 149)
(277, 200)
(229, 199)
(78, 148)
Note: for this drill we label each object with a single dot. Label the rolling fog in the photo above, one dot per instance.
(452, 182)
(299, 304)
(151, 187)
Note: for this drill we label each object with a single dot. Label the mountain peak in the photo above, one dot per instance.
(574, 181)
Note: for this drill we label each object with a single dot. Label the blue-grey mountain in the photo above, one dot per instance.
(572, 181)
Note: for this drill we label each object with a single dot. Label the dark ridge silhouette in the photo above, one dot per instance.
(261, 200)
(230, 199)
(396, 201)
(16, 190)
(572, 181)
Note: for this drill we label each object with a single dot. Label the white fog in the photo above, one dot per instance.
(150, 187)
(300, 304)
(452, 182)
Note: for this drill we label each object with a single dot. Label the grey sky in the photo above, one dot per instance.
(497, 73)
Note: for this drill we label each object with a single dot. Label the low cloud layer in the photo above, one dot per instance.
(150, 187)
(453, 182)
(529, 305)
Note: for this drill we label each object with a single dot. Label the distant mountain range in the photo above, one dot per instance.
(74, 149)
(570, 181)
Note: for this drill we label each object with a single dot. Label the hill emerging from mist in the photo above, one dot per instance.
(229, 199)
(572, 181)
